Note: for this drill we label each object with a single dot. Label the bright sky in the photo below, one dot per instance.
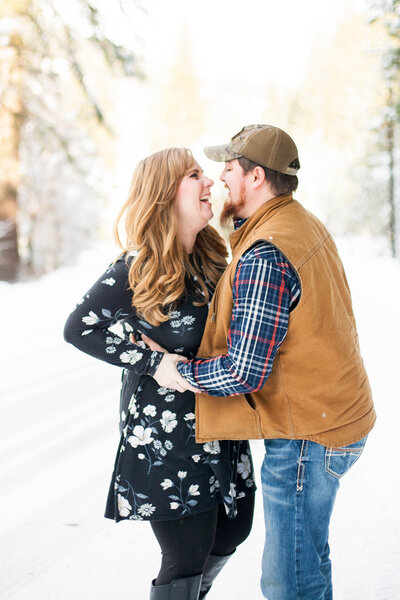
(249, 39)
(240, 49)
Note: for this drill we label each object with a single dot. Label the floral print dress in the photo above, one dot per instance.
(160, 471)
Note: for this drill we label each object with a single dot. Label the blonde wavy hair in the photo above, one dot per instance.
(157, 273)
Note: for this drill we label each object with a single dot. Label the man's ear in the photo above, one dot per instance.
(257, 177)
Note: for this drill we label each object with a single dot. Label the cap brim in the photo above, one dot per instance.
(221, 153)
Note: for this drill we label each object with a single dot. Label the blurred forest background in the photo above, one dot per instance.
(88, 87)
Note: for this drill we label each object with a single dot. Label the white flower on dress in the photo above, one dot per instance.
(212, 447)
(150, 410)
(124, 507)
(175, 314)
(109, 340)
(175, 324)
(182, 474)
(167, 483)
(141, 456)
(188, 320)
(157, 444)
(131, 356)
(109, 281)
(174, 505)
(140, 437)
(146, 510)
(132, 407)
(193, 490)
(117, 329)
(168, 421)
(111, 349)
(91, 319)
(189, 416)
(169, 398)
(168, 444)
(162, 391)
(196, 457)
(232, 491)
(244, 466)
(128, 327)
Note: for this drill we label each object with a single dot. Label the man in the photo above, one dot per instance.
(280, 360)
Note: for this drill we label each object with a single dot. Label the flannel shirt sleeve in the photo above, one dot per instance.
(265, 289)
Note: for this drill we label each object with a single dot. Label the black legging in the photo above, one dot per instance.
(186, 543)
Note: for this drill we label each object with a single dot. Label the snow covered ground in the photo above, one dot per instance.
(58, 436)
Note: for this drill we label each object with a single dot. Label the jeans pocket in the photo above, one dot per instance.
(339, 460)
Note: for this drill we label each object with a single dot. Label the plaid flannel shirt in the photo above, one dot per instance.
(265, 289)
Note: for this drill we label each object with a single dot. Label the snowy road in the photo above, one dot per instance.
(58, 435)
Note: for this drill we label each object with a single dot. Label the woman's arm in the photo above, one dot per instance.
(104, 318)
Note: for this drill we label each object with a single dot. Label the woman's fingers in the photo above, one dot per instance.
(148, 341)
(151, 344)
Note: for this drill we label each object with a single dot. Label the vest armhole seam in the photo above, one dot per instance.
(313, 250)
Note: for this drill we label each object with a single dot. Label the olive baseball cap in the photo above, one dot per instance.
(265, 145)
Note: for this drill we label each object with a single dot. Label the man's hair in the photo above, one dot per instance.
(280, 183)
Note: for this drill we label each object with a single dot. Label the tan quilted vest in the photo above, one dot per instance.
(318, 388)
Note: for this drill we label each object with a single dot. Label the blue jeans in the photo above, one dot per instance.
(299, 482)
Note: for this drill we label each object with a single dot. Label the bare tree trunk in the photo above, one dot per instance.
(391, 190)
(10, 127)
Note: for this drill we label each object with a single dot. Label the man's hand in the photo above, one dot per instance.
(167, 375)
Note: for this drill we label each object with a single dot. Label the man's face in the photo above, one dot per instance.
(235, 182)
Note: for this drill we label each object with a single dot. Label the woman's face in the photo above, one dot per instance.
(193, 200)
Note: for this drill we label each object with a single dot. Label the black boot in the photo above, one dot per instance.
(186, 588)
(212, 567)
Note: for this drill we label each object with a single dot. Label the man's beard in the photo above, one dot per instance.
(231, 209)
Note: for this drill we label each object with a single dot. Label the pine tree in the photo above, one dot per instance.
(42, 58)
(388, 13)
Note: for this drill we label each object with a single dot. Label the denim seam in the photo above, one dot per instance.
(300, 469)
(299, 513)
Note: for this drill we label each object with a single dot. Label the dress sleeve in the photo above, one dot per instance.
(104, 318)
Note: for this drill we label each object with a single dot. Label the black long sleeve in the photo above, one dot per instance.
(103, 319)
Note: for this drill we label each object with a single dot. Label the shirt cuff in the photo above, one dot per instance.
(154, 361)
(181, 368)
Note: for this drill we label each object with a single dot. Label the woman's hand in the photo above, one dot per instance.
(149, 343)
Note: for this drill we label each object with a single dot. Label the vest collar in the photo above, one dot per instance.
(261, 216)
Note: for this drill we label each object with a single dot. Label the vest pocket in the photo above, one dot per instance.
(339, 460)
(250, 401)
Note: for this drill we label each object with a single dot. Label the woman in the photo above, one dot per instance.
(199, 498)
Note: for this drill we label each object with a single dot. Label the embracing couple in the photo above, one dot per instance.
(214, 355)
